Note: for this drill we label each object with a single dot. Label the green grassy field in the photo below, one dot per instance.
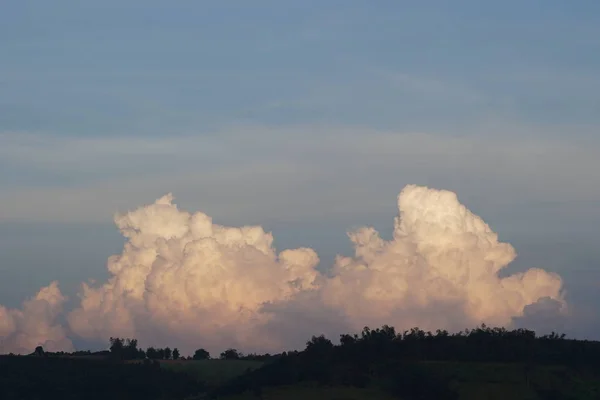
(213, 372)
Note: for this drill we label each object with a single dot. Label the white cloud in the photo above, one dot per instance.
(190, 279)
(183, 279)
(35, 324)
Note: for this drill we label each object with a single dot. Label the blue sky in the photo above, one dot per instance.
(306, 117)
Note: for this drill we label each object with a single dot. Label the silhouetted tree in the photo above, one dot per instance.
(230, 354)
(175, 354)
(152, 353)
(167, 353)
(201, 354)
(125, 349)
(131, 350)
(161, 354)
(319, 345)
(39, 351)
(116, 348)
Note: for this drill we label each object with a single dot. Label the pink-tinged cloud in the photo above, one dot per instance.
(35, 324)
(183, 280)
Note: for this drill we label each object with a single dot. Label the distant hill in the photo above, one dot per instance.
(377, 364)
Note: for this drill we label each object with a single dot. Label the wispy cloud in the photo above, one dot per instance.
(299, 171)
(434, 89)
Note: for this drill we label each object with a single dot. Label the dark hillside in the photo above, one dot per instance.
(483, 363)
(48, 377)
(479, 363)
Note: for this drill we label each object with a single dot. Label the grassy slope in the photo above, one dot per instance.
(508, 381)
(486, 381)
(213, 372)
(473, 381)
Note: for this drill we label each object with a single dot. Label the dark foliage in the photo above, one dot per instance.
(231, 354)
(201, 354)
(39, 351)
(125, 349)
(167, 353)
(394, 360)
(259, 357)
(160, 354)
(482, 344)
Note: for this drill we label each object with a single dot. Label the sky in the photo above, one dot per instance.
(306, 118)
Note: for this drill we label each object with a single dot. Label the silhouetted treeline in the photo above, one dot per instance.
(127, 349)
(482, 344)
(398, 362)
(260, 357)
(395, 361)
(80, 353)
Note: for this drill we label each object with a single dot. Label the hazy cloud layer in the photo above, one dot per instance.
(263, 174)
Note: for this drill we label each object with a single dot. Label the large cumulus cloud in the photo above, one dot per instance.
(439, 270)
(181, 279)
